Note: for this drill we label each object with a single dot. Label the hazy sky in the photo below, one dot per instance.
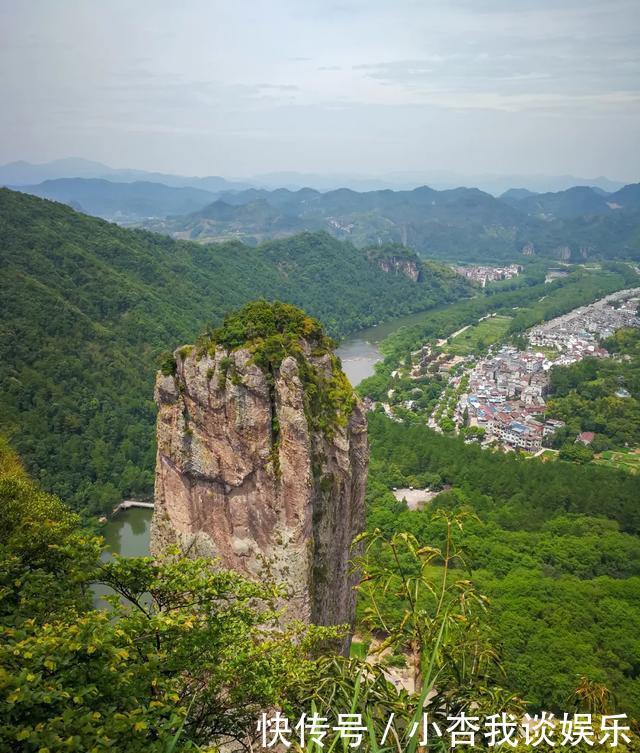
(364, 86)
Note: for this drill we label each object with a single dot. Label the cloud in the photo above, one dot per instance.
(260, 85)
(279, 87)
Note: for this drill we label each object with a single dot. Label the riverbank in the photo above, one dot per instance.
(527, 306)
(360, 352)
(128, 534)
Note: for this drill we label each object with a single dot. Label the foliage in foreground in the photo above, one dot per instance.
(186, 657)
(180, 649)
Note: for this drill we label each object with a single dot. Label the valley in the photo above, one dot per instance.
(500, 396)
(81, 413)
(127, 534)
(320, 377)
(90, 310)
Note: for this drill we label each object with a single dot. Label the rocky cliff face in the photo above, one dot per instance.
(262, 463)
(528, 249)
(400, 266)
(396, 259)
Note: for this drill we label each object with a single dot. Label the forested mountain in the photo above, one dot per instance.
(555, 546)
(89, 306)
(122, 201)
(627, 197)
(515, 194)
(434, 222)
(576, 202)
(462, 223)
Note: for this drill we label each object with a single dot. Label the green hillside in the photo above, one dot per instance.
(554, 546)
(88, 307)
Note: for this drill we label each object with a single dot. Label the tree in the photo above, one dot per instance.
(576, 452)
(182, 650)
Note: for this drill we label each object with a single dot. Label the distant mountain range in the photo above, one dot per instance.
(462, 223)
(122, 202)
(576, 201)
(24, 173)
(439, 179)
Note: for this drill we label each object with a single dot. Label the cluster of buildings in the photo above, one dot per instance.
(506, 392)
(575, 335)
(506, 398)
(483, 275)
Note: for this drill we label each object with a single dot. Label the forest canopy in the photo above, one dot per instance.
(555, 547)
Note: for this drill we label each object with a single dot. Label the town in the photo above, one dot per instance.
(483, 275)
(504, 395)
(499, 398)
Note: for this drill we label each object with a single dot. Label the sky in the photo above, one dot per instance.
(240, 88)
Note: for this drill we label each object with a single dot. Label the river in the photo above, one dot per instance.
(128, 533)
(359, 352)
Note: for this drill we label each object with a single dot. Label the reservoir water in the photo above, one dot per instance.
(128, 533)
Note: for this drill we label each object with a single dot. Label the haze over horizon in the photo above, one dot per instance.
(350, 88)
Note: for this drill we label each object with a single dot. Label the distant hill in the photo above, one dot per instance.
(463, 223)
(88, 307)
(436, 223)
(514, 195)
(24, 173)
(121, 201)
(458, 224)
(626, 198)
(574, 202)
(402, 180)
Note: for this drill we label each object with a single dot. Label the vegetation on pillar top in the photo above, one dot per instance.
(273, 331)
(260, 322)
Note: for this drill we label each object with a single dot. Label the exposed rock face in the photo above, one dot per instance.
(528, 249)
(409, 269)
(563, 253)
(243, 475)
